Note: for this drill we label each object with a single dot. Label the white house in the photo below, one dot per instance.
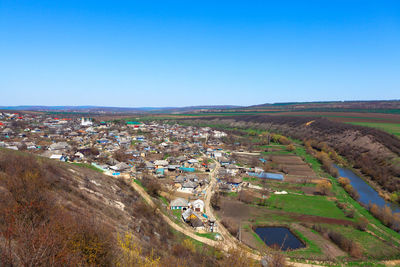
(218, 134)
(193, 161)
(198, 205)
(86, 121)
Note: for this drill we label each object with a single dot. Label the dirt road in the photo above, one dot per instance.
(226, 245)
(187, 232)
(227, 237)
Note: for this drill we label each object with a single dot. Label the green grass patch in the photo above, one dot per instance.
(392, 128)
(231, 194)
(310, 205)
(164, 200)
(250, 179)
(372, 246)
(268, 218)
(211, 236)
(311, 248)
(139, 183)
(89, 166)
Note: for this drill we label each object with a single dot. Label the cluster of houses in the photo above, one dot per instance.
(177, 154)
(193, 214)
(117, 148)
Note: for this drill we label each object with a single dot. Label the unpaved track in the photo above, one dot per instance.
(328, 248)
(150, 201)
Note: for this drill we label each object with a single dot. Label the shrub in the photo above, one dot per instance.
(290, 147)
(327, 163)
(324, 187)
(349, 213)
(386, 216)
(340, 240)
(231, 226)
(351, 191)
(362, 224)
(152, 185)
(343, 181)
(215, 201)
(341, 205)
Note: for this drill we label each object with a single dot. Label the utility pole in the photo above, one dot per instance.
(239, 234)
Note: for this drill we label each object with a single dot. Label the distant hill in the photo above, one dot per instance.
(329, 105)
(102, 109)
(381, 106)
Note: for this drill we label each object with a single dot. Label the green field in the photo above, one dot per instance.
(392, 128)
(310, 205)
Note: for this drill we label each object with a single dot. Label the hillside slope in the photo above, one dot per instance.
(59, 214)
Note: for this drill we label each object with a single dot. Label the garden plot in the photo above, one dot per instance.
(294, 166)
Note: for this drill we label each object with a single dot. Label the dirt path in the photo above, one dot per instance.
(227, 237)
(226, 245)
(328, 248)
(150, 201)
(392, 263)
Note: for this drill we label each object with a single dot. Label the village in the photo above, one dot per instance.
(222, 186)
(181, 160)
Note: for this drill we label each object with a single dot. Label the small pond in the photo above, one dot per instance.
(280, 236)
(366, 192)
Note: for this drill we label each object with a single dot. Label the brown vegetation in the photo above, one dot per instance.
(340, 240)
(386, 216)
(345, 183)
(362, 224)
(56, 214)
(215, 201)
(324, 187)
(231, 226)
(36, 230)
(152, 185)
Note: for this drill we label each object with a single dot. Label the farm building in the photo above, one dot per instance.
(267, 175)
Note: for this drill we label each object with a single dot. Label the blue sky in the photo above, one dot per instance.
(183, 53)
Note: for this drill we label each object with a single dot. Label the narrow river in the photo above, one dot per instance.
(367, 193)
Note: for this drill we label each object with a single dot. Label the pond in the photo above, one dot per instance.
(366, 192)
(280, 236)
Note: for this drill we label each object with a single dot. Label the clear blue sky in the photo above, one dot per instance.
(182, 53)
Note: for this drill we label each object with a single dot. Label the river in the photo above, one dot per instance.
(366, 192)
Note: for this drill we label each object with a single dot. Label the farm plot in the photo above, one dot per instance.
(294, 166)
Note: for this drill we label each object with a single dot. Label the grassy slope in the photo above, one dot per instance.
(89, 166)
(392, 128)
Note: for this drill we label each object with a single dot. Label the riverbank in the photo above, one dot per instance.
(368, 180)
